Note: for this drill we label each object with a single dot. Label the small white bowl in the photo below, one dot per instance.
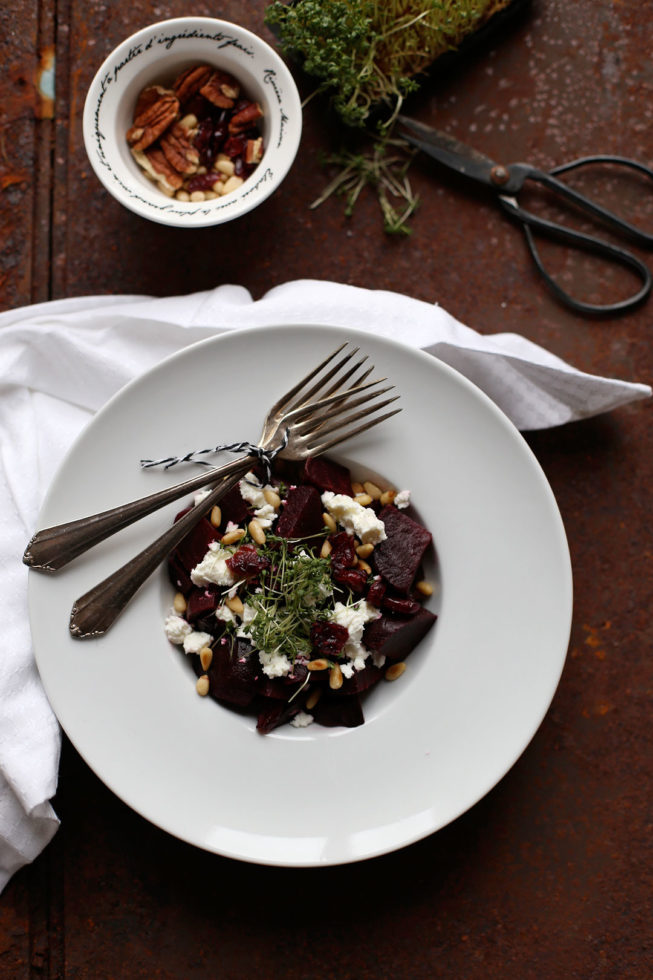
(157, 54)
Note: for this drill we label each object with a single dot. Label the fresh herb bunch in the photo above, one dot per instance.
(368, 53)
(293, 594)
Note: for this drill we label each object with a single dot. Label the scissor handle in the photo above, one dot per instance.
(585, 203)
(588, 243)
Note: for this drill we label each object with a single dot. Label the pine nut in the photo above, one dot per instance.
(364, 550)
(363, 499)
(387, 497)
(357, 488)
(364, 566)
(335, 678)
(372, 490)
(182, 196)
(197, 196)
(232, 184)
(329, 522)
(272, 498)
(235, 604)
(179, 603)
(256, 532)
(319, 664)
(395, 670)
(231, 536)
(189, 121)
(424, 587)
(206, 657)
(225, 165)
(326, 548)
(313, 698)
(216, 516)
(202, 686)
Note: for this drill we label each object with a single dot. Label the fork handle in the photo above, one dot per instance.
(96, 611)
(53, 547)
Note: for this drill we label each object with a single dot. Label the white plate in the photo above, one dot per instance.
(435, 741)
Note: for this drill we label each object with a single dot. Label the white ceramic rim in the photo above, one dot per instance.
(476, 690)
(237, 49)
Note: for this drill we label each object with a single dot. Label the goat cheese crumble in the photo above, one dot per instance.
(354, 518)
(253, 491)
(213, 568)
(402, 499)
(176, 628)
(353, 618)
(196, 641)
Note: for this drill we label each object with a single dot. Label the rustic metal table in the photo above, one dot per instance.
(549, 876)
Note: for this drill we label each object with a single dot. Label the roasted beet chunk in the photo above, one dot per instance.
(234, 507)
(233, 672)
(247, 563)
(396, 636)
(195, 545)
(324, 474)
(201, 602)
(360, 680)
(399, 556)
(302, 515)
(271, 714)
(334, 712)
(328, 639)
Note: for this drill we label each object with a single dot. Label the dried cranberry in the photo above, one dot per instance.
(202, 182)
(218, 138)
(239, 166)
(375, 593)
(203, 141)
(328, 639)
(246, 562)
(405, 607)
(235, 146)
(354, 578)
(343, 551)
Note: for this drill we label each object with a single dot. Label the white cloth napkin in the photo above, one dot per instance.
(61, 361)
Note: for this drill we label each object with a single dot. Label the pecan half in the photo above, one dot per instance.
(156, 109)
(190, 82)
(254, 150)
(242, 120)
(221, 89)
(156, 166)
(177, 147)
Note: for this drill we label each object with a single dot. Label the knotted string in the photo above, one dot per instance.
(265, 457)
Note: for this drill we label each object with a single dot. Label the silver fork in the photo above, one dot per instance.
(54, 547)
(310, 429)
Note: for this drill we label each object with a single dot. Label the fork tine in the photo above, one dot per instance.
(323, 447)
(340, 383)
(317, 420)
(339, 421)
(305, 409)
(319, 385)
(283, 402)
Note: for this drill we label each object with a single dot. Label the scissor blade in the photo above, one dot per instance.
(449, 151)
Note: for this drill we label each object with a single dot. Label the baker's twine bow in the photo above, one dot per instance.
(263, 456)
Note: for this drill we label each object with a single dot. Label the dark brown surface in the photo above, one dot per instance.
(550, 875)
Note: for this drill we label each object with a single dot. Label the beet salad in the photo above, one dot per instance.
(299, 593)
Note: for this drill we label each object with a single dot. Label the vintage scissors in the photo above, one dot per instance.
(508, 180)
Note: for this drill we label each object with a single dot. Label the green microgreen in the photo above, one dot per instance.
(293, 594)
